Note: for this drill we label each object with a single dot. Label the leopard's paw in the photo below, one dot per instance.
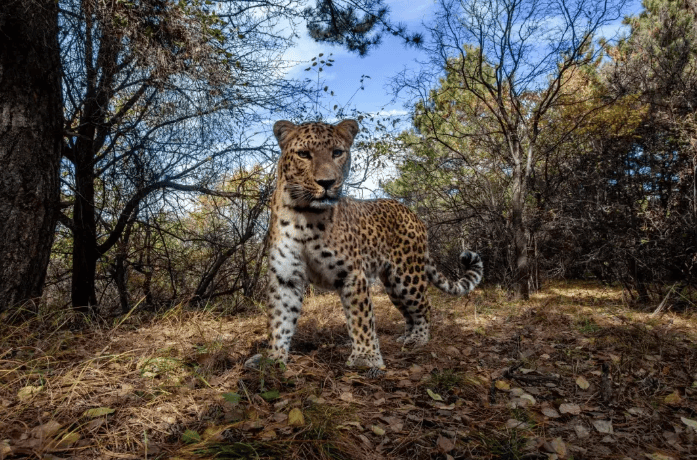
(365, 361)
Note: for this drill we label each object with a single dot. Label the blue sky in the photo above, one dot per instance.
(382, 63)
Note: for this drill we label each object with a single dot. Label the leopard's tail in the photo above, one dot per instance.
(474, 269)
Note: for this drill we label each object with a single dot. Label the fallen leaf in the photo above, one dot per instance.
(295, 417)
(377, 430)
(503, 385)
(434, 396)
(365, 440)
(68, 440)
(581, 431)
(673, 398)
(315, 400)
(582, 383)
(452, 351)
(603, 426)
(636, 411)
(416, 369)
(28, 392)
(512, 423)
(346, 396)
(268, 435)
(98, 412)
(529, 398)
(46, 430)
(444, 444)
(559, 447)
(517, 392)
(550, 412)
(570, 408)
(689, 422)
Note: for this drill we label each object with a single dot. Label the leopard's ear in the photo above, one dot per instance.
(281, 129)
(348, 129)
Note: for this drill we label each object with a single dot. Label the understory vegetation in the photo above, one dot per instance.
(575, 164)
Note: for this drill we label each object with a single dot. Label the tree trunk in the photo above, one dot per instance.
(520, 238)
(85, 254)
(30, 145)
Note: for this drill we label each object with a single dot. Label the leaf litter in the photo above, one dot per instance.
(519, 380)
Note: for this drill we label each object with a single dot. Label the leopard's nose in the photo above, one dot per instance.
(326, 183)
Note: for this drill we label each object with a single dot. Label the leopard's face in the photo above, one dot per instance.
(315, 161)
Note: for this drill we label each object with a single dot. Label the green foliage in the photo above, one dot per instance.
(270, 395)
(445, 379)
(191, 437)
(232, 398)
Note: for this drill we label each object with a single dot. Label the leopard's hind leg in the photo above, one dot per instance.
(407, 291)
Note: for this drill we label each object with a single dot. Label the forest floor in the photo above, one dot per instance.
(571, 373)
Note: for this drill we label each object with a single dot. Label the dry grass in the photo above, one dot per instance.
(173, 386)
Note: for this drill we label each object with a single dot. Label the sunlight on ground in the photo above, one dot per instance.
(573, 372)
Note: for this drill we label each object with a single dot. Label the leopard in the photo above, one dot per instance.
(319, 235)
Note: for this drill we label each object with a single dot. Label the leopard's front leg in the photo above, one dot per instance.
(287, 282)
(360, 319)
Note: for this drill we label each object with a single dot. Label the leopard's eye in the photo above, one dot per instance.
(337, 153)
(304, 154)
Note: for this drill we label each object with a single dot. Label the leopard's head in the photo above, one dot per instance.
(315, 161)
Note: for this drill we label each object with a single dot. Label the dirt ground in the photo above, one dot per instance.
(571, 373)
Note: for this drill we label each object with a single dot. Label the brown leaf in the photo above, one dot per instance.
(452, 351)
(559, 447)
(570, 408)
(512, 423)
(603, 426)
(444, 444)
(581, 431)
(46, 430)
(673, 399)
(365, 440)
(416, 369)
